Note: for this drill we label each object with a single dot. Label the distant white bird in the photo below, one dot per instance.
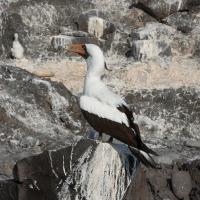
(105, 111)
(17, 49)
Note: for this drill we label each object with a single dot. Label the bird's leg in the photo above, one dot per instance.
(100, 137)
(110, 140)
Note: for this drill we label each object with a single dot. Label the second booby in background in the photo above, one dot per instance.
(17, 49)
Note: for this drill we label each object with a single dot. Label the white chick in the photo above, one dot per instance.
(17, 49)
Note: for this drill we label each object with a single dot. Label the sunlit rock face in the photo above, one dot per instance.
(161, 9)
(156, 39)
(95, 26)
(153, 49)
(110, 24)
(169, 111)
(86, 170)
(35, 114)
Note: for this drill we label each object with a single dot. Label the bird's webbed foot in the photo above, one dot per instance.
(100, 137)
(101, 140)
(110, 140)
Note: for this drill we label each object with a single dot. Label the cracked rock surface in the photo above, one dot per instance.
(152, 48)
(34, 114)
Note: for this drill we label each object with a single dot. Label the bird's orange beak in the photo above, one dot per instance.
(78, 48)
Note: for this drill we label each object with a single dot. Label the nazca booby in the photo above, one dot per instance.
(17, 49)
(105, 111)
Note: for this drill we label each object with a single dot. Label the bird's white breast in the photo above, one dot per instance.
(17, 50)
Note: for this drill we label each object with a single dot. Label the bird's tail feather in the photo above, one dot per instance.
(146, 149)
(144, 157)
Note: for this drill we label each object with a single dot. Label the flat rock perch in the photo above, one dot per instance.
(87, 169)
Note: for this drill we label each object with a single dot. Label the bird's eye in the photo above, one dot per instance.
(84, 47)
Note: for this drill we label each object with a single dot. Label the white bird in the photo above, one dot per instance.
(17, 49)
(105, 111)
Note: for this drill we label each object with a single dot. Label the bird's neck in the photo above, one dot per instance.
(90, 83)
(95, 66)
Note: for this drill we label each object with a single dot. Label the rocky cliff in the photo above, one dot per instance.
(152, 48)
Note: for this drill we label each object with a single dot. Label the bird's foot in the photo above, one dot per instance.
(100, 137)
(110, 140)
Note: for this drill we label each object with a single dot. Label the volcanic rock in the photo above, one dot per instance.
(156, 39)
(165, 193)
(76, 171)
(9, 190)
(163, 159)
(34, 112)
(161, 9)
(181, 184)
(160, 110)
(191, 143)
(157, 183)
(194, 168)
(183, 21)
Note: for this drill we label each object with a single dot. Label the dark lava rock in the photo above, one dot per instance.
(163, 104)
(194, 169)
(28, 88)
(194, 2)
(161, 9)
(183, 21)
(37, 22)
(8, 190)
(157, 183)
(35, 112)
(192, 143)
(195, 194)
(78, 171)
(137, 185)
(181, 184)
(166, 193)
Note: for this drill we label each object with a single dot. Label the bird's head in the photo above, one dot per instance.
(85, 50)
(92, 54)
(16, 36)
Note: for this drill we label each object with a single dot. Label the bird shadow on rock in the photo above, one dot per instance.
(128, 160)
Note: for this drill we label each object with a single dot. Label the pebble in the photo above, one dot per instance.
(163, 159)
(186, 198)
(194, 170)
(154, 140)
(157, 183)
(191, 143)
(181, 184)
(14, 143)
(173, 156)
(29, 142)
(166, 194)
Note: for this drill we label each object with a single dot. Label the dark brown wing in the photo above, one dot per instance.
(135, 128)
(117, 130)
(130, 117)
(124, 134)
(112, 128)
